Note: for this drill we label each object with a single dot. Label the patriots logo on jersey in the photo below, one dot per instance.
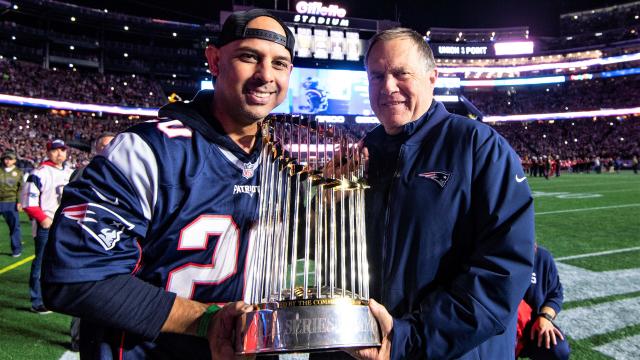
(440, 177)
(107, 232)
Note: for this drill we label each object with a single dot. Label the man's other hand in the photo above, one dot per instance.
(386, 325)
(221, 330)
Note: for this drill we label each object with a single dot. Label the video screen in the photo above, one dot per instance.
(327, 92)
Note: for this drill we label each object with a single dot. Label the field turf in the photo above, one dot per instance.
(589, 222)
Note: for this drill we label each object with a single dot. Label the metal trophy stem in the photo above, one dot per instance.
(309, 270)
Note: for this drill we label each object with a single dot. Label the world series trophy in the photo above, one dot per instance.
(309, 277)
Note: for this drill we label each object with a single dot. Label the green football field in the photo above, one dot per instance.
(590, 222)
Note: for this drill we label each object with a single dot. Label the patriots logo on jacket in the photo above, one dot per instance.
(107, 232)
(440, 177)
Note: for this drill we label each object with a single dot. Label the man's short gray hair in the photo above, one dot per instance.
(397, 33)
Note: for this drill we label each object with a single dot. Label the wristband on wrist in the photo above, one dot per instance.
(546, 316)
(205, 320)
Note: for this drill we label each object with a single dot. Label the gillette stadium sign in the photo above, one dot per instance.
(317, 13)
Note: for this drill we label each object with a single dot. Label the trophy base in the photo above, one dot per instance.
(308, 325)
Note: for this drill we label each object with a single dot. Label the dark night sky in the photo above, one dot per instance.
(541, 16)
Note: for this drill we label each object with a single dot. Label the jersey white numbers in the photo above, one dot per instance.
(195, 236)
(174, 128)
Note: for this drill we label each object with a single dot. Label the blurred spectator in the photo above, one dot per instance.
(10, 185)
(41, 198)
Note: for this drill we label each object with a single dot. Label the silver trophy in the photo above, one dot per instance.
(308, 271)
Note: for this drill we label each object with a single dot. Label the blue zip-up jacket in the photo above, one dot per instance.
(451, 237)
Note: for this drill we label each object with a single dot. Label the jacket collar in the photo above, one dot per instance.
(198, 115)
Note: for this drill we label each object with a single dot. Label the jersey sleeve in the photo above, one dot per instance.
(482, 299)
(103, 214)
(31, 196)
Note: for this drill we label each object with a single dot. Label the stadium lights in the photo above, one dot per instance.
(125, 55)
(71, 47)
(367, 120)
(15, 7)
(206, 85)
(515, 81)
(54, 104)
(106, 11)
(335, 119)
(563, 115)
(73, 19)
(174, 34)
(126, 28)
(513, 48)
(548, 66)
(13, 37)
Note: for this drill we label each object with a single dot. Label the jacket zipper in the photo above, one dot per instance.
(386, 223)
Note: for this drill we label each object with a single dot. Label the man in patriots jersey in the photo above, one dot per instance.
(41, 198)
(155, 230)
(450, 225)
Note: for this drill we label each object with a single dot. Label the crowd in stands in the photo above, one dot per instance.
(593, 94)
(578, 141)
(26, 131)
(579, 144)
(63, 83)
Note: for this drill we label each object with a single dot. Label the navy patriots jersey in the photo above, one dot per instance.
(165, 204)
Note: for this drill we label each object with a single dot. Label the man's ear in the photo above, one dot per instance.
(213, 57)
(433, 77)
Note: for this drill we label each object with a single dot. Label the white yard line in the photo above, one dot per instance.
(581, 284)
(594, 184)
(600, 253)
(584, 322)
(69, 355)
(624, 349)
(588, 209)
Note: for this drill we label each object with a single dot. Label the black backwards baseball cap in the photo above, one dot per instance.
(235, 28)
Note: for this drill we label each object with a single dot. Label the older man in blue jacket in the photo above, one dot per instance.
(451, 222)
